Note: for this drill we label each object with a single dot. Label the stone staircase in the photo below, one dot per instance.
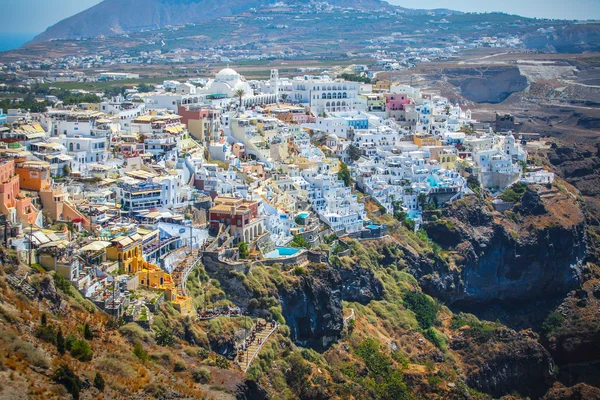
(246, 358)
(19, 283)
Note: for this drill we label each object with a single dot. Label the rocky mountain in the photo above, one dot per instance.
(114, 17)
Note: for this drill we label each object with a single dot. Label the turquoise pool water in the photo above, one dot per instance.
(282, 252)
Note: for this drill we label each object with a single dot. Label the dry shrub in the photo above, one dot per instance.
(117, 365)
(134, 332)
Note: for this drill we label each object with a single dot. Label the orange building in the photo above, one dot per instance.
(33, 175)
(55, 200)
(421, 140)
(14, 205)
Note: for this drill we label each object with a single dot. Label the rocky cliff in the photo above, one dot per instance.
(536, 250)
(487, 84)
(311, 303)
(504, 361)
(313, 307)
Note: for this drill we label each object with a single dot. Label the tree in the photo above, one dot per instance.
(243, 250)
(44, 319)
(144, 88)
(474, 185)
(99, 382)
(60, 342)
(344, 174)
(299, 241)
(239, 94)
(284, 97)
(87, 332)
(354, 152)
(66, 377)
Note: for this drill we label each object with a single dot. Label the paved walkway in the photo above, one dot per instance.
(183, 269)
(259, 338)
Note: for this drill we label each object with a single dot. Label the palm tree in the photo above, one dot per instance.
(240, 93)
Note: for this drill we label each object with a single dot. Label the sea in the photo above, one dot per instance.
(11, 41)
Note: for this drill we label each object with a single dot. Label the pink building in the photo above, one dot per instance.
(14, 205)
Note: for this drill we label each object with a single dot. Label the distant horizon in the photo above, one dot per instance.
(29, 18)
(14, 40)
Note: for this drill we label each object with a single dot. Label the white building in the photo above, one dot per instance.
(322, 94)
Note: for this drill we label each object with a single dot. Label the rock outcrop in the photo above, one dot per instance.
(504, 363)
(489, 84)
(313, 308)
(577, 392)
(311, 304)
(488, 256)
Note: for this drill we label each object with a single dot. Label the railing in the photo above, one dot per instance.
(249, 363)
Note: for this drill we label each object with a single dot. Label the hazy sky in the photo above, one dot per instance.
(34, 16)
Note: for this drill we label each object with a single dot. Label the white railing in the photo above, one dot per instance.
(260, 347)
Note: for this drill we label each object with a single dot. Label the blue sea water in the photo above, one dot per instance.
(10, 41)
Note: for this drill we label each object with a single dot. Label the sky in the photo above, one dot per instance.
(34, 16)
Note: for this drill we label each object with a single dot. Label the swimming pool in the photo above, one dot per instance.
(282, 252)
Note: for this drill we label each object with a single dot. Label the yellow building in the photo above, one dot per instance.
(127, 251)
(421, 140)
(447, 160)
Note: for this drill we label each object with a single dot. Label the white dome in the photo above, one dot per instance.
(227, 74)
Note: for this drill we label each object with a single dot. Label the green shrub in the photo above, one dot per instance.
(310, 355)
(243, 250)
(482, 332)
(201, 375)
(300, 271)
(71, 382)
(46, 333)
(69, 341)
(139, 352)
(424, 309)
(63, 284)
(553, 322)
(514, 193)
(81, 350)
(299, 242)
(436, 338)
(165, 337)
(387, 382)
(222, 362)
(203, 353)
(179, 366)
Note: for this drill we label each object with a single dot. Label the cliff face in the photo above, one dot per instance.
(313, 308)
(534, 251)
(311, 304)
(508, 362)
(487, 85)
